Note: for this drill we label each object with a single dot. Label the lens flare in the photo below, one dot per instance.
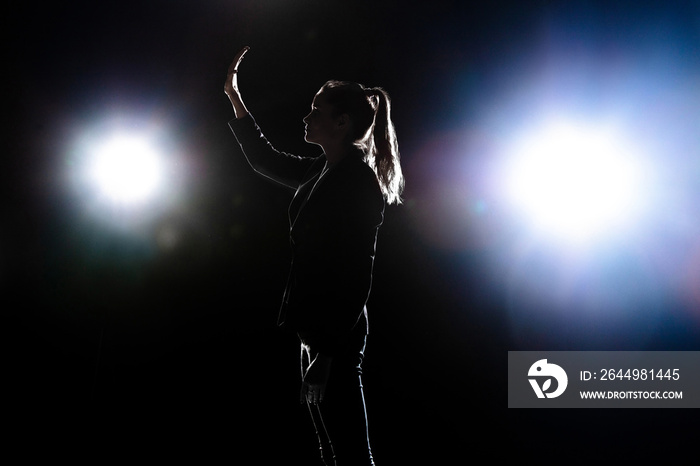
(126, 169)
(574, 181)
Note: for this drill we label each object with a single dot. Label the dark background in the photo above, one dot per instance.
(123, 346)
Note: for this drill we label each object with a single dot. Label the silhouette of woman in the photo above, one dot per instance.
(334, 217)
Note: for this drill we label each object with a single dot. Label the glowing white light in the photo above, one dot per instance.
(574, 181)
(126, 169)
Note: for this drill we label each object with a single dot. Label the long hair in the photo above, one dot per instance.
(369, 109)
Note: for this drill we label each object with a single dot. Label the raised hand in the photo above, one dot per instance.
(231, 85)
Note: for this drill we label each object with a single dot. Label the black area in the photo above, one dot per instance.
(117, 351)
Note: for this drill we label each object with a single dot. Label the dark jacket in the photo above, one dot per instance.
(334, 220)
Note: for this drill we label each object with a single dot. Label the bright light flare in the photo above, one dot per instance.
(126, 169)
(574, 181)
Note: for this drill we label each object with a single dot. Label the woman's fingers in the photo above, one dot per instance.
(237, 60)
(312, 394)
(231, 84)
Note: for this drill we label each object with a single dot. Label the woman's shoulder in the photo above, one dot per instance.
(358, 171)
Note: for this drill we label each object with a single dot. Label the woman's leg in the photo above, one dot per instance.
(343, 410)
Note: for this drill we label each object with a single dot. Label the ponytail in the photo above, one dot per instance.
(370, 112)
(383, 148)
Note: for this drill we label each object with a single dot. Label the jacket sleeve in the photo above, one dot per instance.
(281, 167)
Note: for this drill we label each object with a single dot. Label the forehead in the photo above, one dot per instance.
(319, 99)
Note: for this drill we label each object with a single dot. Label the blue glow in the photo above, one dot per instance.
(575, 182)
(585, 154)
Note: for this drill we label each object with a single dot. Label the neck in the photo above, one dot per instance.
(336, 153)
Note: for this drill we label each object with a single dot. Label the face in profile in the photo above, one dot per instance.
(320, 124)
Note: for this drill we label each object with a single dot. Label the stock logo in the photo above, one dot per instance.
(545, 372)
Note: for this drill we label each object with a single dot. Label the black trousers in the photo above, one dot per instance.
(340, 421)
